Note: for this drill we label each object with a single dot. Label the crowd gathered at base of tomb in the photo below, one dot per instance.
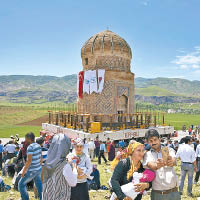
(59, 168)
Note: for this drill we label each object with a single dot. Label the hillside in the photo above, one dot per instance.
(37, 89)
(153, 91)
(42, 89)
(174, 85)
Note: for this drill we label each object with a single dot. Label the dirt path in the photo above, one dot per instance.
(35, 122)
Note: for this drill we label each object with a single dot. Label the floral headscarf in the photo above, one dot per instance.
(78, 142)
(130, 150)
(125, 154)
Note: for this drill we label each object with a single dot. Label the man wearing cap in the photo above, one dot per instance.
(10, 148)
(188, 164)
(165, 185)
(91, 147)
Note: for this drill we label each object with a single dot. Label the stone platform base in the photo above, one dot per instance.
(113, 135)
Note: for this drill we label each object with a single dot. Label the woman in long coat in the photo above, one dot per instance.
(58, 174)
(111, 153)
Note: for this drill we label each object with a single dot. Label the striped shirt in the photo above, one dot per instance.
(1, 148)
(44, 155)
(35, 150)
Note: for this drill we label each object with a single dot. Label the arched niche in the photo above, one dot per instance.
(122, 104)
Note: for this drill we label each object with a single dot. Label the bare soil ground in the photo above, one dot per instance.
(35, 122)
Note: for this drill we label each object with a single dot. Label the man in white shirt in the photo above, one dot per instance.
(85, 147)
(10, 149)
(188, 164)
(91, 147)
(164, 186)
(198, 164)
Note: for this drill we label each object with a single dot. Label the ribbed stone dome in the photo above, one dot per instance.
(106, 50)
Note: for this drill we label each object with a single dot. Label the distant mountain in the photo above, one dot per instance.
(40, 89)
(37, 89)
(154, 91)
(175, 85)
(18, 82)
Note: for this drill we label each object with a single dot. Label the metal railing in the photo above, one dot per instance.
(107, 122)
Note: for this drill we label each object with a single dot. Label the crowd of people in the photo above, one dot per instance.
(55, 168)
(59, 168)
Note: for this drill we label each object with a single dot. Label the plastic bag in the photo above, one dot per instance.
(129, 189)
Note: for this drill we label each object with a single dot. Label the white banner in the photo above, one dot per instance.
(86, 83)
(93, 81)
(101, 73)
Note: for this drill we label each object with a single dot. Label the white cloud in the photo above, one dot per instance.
(181, 50)
(197, 48)
(195, 66)
(190, 60)
(176, 77)
(196, 72)
(183, 67)
(145, 2)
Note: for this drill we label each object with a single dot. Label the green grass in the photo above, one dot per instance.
(11, 116)
(40, 108)
(7, 131)
(94, 195)
(178, 119)
(16, 115)
(192, 106)
(105, 175)
(154, 91)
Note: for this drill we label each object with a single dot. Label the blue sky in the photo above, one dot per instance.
(45, 37)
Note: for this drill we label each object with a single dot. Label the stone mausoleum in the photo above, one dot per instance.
(110, 53)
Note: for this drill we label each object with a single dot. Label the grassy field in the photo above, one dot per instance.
(154, 91)
(7, 131)
(99, 195)
(12, 117)
(178, 119)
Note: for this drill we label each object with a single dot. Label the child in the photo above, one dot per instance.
(129, 189)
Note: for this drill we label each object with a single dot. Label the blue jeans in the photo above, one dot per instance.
(29, 176)
(186, 168)
(198, 171)
(170, 196)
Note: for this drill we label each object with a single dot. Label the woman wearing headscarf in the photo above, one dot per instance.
(120, 155)
(111, 152)
(124, 170)
(24, 151)
(59, 175)
(84, 167)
